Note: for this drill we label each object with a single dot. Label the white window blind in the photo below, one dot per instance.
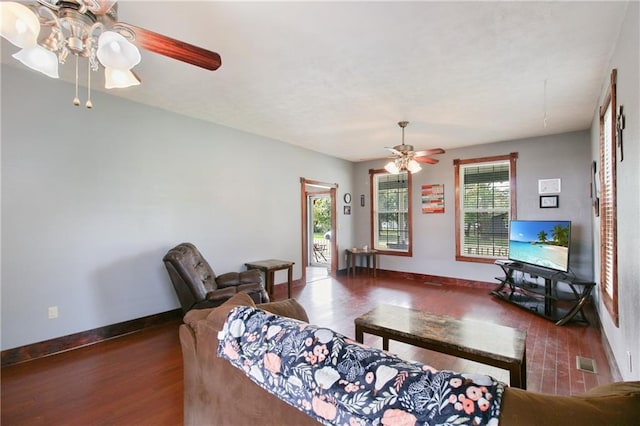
(391, 227)
(485, 209)
(606, 204)
(485, 203)
(608, 209)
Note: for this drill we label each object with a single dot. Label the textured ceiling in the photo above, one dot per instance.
(336, 77)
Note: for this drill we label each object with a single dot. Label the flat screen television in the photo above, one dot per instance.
(543, 243)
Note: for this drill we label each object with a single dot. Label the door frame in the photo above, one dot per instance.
(312, 197)
(304, 193)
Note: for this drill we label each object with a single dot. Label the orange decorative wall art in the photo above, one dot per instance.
(433, 198)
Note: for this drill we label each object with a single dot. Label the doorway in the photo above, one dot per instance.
(319, 235)
(318, 230)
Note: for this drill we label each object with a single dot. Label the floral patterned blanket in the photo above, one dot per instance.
(338, 381)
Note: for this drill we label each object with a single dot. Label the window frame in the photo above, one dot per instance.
(374, 219)
(608, 204)
(511, 158)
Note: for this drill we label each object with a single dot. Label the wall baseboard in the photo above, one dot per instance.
(426, 279)
(85, 338)
(436, 279)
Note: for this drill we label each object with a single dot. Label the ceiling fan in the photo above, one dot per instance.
(405, 158)
(48, 31)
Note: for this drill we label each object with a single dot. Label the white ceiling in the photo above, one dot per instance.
(336, 77)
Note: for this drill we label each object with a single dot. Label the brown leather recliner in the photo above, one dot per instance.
(198, 287)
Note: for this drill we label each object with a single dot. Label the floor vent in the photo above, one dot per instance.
(433, 284)
(586, 364)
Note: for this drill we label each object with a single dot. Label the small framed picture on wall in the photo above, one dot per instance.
(549, 201)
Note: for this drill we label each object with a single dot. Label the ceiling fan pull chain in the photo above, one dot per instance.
(89, 105)
(76, 100)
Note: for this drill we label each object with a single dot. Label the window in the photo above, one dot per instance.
(485, 203)
(391, 212)
(608, 213)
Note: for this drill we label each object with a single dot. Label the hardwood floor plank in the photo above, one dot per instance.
(549, 362)
(137, 379)
(563, 366)
(134, 379)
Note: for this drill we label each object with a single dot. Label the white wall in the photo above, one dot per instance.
(626, 337)
(92, 200)
(565, 156)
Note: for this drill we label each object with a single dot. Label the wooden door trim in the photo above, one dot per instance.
(332, 187)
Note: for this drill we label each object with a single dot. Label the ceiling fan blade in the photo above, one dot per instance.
(429, 152)
(173, 48)
(427, 160)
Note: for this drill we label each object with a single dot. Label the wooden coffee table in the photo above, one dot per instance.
(495, 345)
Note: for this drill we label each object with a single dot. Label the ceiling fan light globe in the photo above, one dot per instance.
(115, 51)
(114, 46)
(19, 24)
(119, 79)
(392, 168)
(40, 59)
(413, 166)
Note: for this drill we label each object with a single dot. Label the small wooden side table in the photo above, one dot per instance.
(269, 267)
(352, 255)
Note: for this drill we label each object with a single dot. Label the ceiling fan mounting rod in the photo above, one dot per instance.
(404, 124)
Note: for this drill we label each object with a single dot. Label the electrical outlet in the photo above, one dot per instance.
(629, 361)
(53, 312)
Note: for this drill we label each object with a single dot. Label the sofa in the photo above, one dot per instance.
(197, 285)
(218, 393)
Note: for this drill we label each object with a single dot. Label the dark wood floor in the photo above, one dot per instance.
(137, 379)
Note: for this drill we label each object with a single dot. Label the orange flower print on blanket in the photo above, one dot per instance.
(324, 409)
(272, 362)
(230, 351)
(395, 417)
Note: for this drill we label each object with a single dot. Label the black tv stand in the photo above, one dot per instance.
(543, 299)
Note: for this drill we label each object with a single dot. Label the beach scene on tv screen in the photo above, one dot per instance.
(544, 244)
